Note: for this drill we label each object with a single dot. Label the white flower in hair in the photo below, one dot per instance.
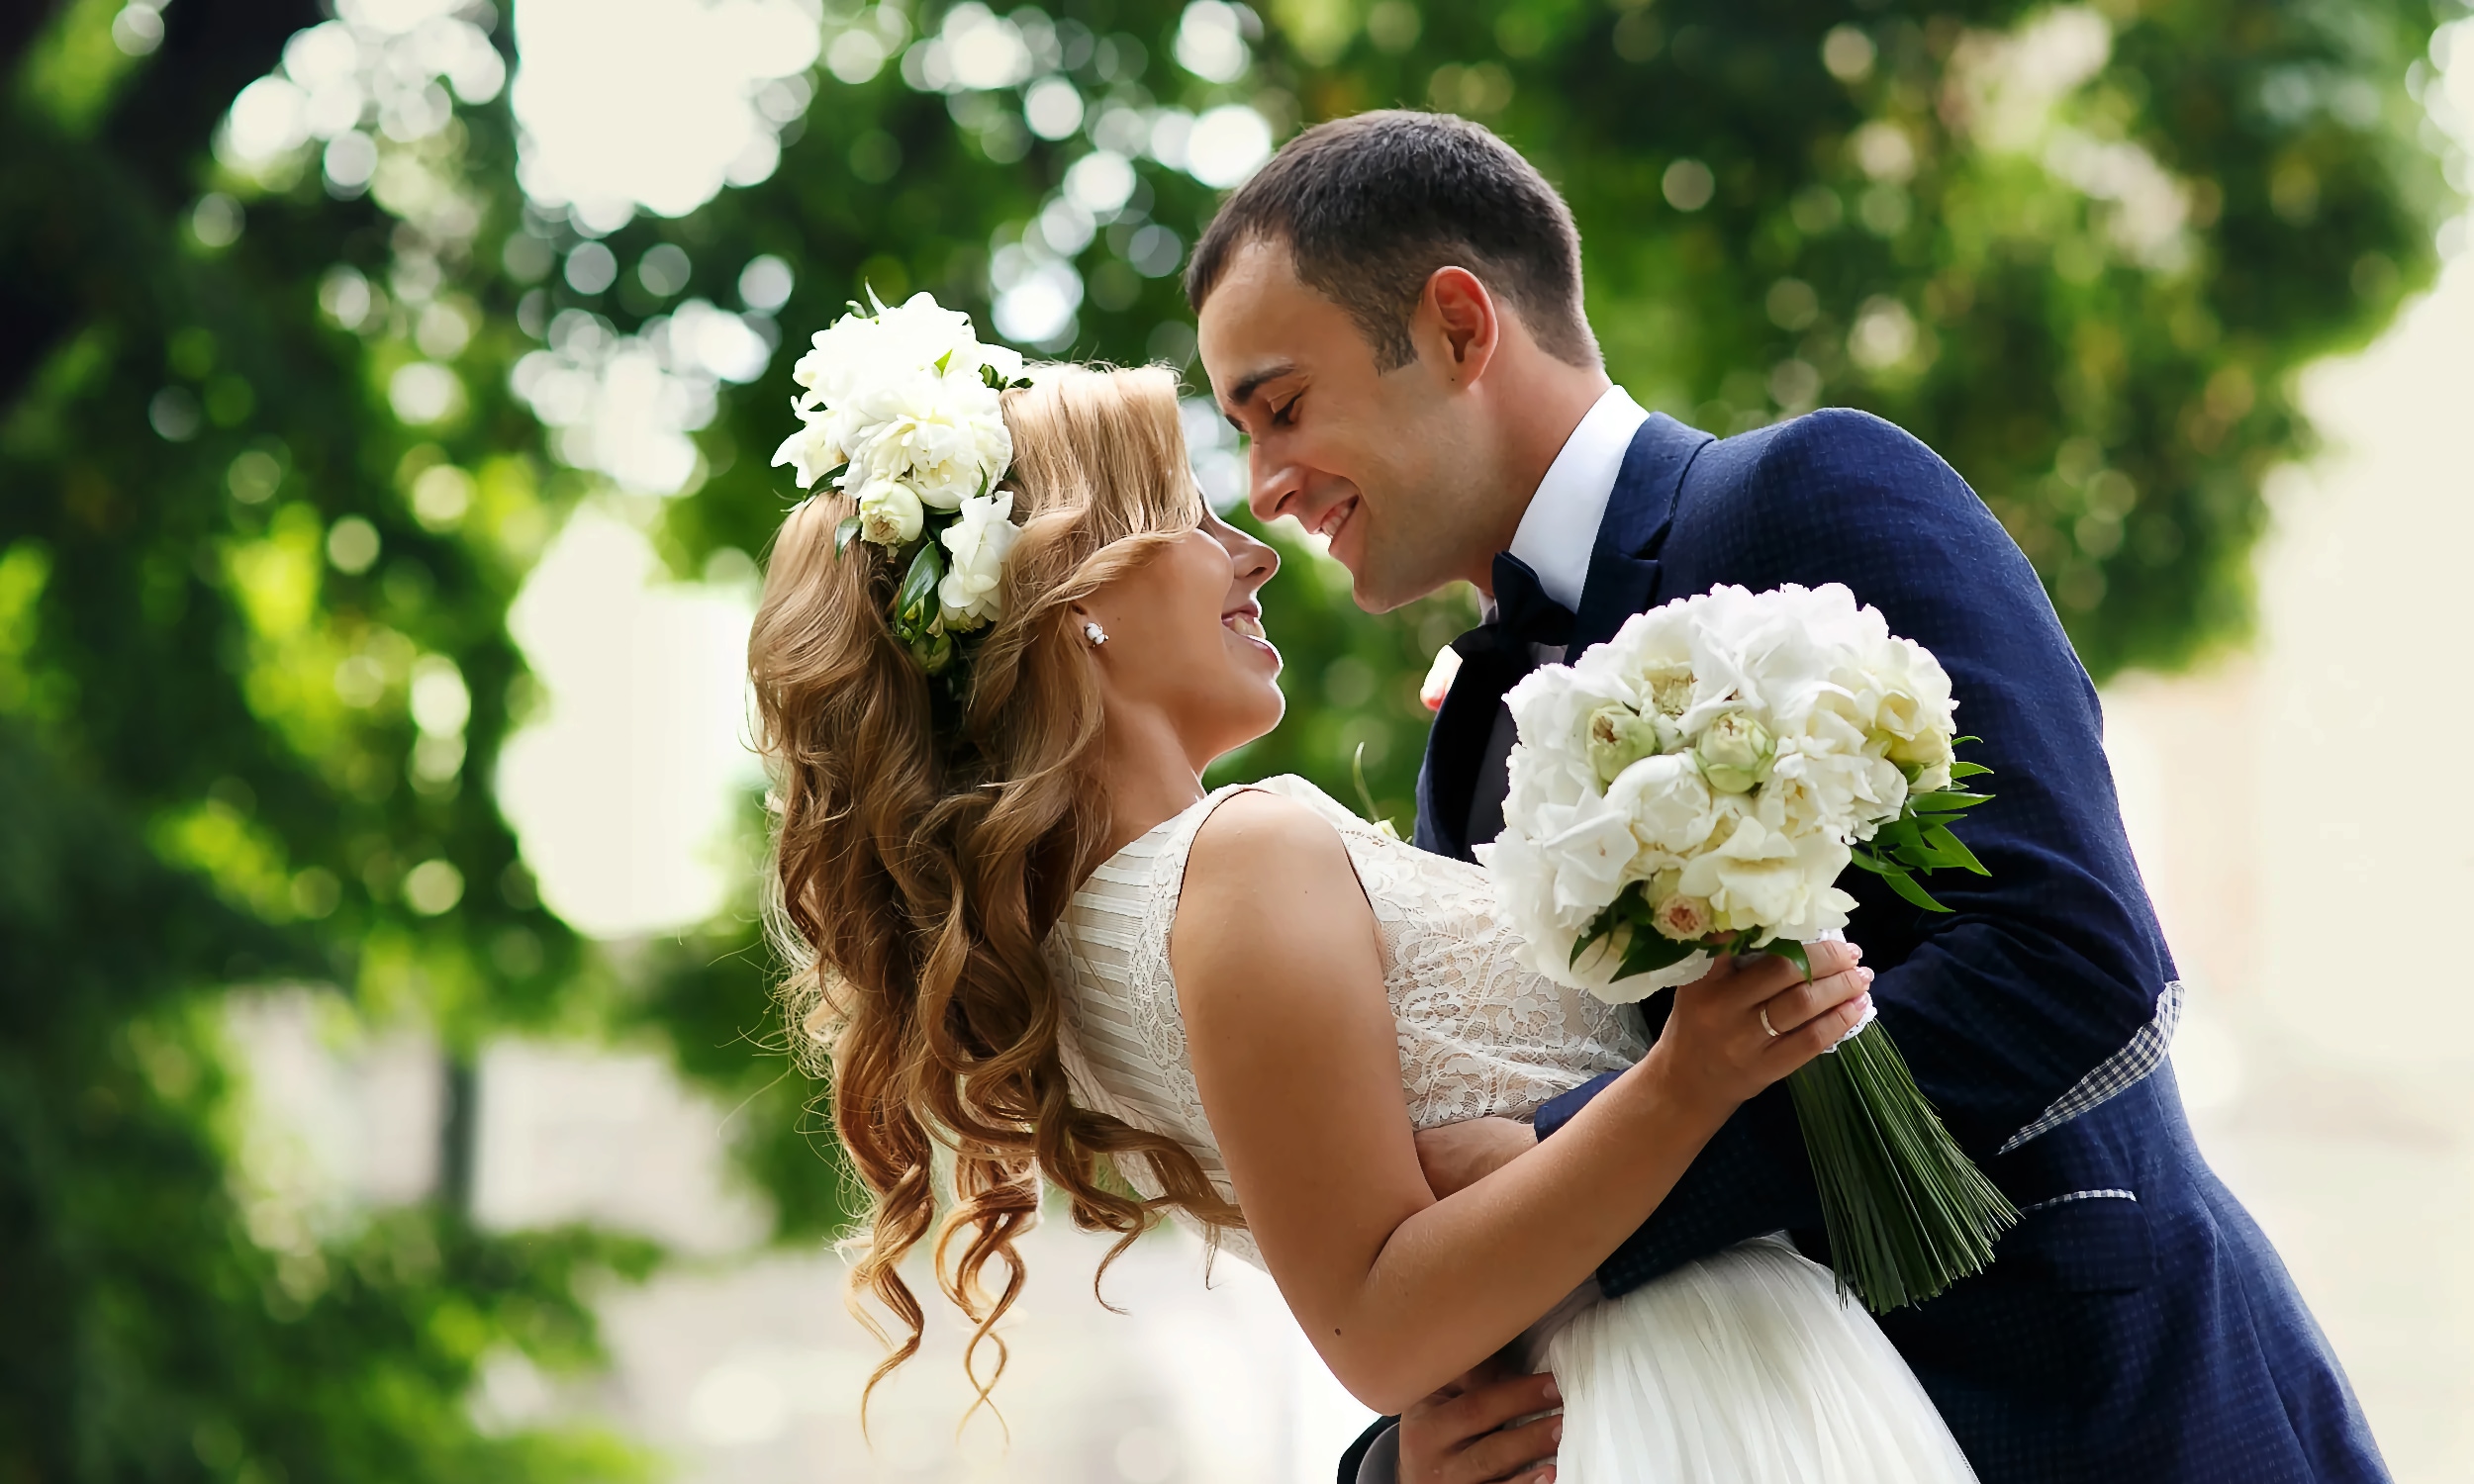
(902, 408)
(906, 394)
(943, 436)
(889, 514)
(972, 590)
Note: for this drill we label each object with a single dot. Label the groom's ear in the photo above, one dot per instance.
(1464, 317)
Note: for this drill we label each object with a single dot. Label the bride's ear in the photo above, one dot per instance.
(1087, 625)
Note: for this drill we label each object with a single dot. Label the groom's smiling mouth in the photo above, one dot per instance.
(1329, 528)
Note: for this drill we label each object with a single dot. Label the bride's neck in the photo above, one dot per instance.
(1146, 774)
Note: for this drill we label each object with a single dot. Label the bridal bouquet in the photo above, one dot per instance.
(1695, 787)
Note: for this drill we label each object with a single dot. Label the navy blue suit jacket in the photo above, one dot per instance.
(2135, 1324)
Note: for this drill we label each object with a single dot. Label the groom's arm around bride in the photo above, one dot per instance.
(1392, 311)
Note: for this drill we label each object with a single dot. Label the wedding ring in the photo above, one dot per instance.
(1766, 1025)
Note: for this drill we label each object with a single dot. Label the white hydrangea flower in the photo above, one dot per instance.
(972, 592)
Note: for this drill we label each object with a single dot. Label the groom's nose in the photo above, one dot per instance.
(1274, 488)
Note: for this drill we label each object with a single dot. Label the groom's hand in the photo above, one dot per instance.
(1460, 1433)
(1457, 1155)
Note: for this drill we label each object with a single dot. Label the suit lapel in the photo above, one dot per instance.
(1622, 562)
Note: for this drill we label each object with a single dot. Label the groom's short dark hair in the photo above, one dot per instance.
(1371, 206)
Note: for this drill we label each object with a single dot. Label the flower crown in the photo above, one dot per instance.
(898, 407)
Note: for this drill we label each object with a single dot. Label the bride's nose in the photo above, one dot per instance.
(1254, 561)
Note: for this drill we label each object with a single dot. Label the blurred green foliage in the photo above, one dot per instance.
(267, 490)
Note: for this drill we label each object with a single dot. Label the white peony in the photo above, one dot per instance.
(918, 334)
(943, 436)
(1670, 806)
(890, 515)
(900, 394)
(812, 452)
(972, 592)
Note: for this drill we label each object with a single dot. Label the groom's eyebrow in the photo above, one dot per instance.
(1243, 392)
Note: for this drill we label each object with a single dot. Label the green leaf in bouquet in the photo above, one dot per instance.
(1953, 851)
(1947, 802)
(1898, 836)
(1904, 883)
(1866, 860)
(1649, 951)
(1602, 925)
(1959, 771)
(1793, 951)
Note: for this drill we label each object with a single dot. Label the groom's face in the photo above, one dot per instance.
(1375, 461)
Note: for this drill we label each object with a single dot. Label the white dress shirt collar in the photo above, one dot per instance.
(1561, 525)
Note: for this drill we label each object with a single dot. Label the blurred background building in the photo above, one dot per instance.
(387, 1088)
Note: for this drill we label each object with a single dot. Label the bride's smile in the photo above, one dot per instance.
(1187, 646)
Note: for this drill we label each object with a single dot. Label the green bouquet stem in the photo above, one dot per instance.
(1908, 1213)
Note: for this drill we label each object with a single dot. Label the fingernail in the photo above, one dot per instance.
(1554, 1394)
(1555, 1434)
(1868, 973)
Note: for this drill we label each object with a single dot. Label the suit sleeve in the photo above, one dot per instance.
(2041, 971)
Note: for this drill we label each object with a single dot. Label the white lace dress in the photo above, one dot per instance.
(1744, 1368)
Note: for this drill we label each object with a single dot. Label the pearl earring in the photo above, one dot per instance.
(1095, 634)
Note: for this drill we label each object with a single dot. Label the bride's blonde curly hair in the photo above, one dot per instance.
(918, 867)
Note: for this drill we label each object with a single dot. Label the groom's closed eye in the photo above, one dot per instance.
(1243, 392)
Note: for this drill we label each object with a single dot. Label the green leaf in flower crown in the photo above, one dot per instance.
(934, 650)
(915, 602)
(843, 532)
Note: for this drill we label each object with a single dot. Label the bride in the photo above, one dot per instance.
(1026, 934)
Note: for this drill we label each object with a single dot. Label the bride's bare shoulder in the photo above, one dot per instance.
(1264, 862)
(1253, 832)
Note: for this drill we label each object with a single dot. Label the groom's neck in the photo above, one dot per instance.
(1537, 402)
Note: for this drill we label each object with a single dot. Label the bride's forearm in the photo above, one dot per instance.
(1465, 1275)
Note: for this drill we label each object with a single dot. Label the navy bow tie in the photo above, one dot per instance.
(1524, 615)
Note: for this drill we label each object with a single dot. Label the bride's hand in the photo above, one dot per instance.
(1717, 1047)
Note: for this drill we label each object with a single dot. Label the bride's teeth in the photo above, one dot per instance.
(1251, 627)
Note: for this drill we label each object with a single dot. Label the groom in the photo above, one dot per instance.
(1392, 311)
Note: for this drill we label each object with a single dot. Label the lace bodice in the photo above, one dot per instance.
(1479, 1034)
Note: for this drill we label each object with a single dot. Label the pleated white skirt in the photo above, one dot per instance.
(1744, 1368)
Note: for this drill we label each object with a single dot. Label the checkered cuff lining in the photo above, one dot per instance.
(2119, 1073)
(2083, 1195)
